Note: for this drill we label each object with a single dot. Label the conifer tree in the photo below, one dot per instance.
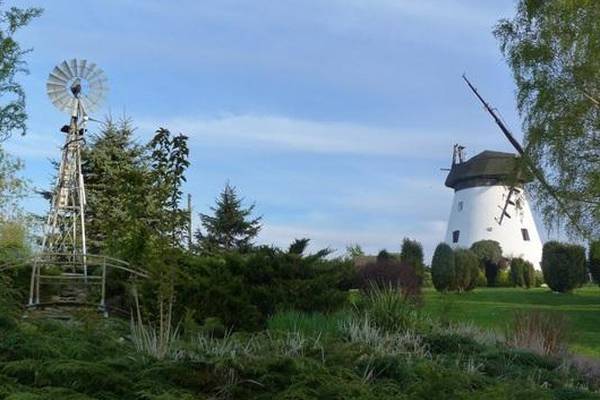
(231, 227)
(115, 182)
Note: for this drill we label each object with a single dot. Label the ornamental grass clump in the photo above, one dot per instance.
(542, 332)
(391, 311)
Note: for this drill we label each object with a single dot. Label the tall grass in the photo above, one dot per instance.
(539, 331)
(390, 310)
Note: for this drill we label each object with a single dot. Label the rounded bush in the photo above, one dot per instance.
(443, 272)
(521, 273)
(466, 265)
(412, 254)
(563, 266)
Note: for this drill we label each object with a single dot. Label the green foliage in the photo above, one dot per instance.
(244, 290)
(594, 261)
(522, 273)
(8, 303)
(529, 275)
(443, 272)
(412, 254)
(563, 266)
(390, 310)
(169, 160)
(13, 115)
(503, 279)
(13, 241)
(117, 183)
(467, 269)
(489, 253)
(553, 48)
(354, 251)
(231, 227)
(134, 192)
(312, 324)
(12, 186)
(517, 272)
(356, 360)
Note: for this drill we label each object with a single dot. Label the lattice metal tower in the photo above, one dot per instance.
(75, 87)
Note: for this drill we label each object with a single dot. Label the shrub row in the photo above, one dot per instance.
(465, 269)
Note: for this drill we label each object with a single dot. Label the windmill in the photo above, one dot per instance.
(490, 202)
(76, 87)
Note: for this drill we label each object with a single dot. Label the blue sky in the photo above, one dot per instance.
(334, 116)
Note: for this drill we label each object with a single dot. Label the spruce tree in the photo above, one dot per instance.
(116, 184)
(231, 227)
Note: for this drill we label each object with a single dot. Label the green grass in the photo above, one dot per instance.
(495, 307)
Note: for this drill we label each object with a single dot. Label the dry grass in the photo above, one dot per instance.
(539, 331)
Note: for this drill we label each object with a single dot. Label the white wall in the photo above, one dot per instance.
(481, 207)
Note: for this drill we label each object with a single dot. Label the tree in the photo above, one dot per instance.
(466, 266)
(594, 261)
(117, 184)
(563, 266)
(443, 268)
(13, 116)
(354, 251)
(231, 227)
(169, 161)
(553, 48)
(12, 186)
(529, 275)
(489, 253)
(412, 254)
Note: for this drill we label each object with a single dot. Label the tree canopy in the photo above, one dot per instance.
(13, 115)
(231, 227)
(553, 48)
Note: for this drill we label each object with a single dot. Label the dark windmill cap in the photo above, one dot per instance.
(488, 168)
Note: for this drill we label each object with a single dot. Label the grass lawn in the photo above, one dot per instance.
(494, 308)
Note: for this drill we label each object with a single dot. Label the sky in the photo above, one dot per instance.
(334, 117)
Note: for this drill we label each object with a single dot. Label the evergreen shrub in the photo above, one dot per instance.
(466, 269)
(443, 270)
(563, 266)
(521, 273)
(412, 255)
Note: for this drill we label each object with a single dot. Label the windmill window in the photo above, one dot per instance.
(460, 206)
(455, 236)
(525, 234)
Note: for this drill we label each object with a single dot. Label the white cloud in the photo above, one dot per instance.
(284, 133)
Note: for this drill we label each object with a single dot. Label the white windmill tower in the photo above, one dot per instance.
(490, 204)
(76, 87)
(490, 201)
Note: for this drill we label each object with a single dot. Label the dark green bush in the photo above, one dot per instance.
(466, 269)
(521, 273)
(244, 290)
(489, 253)
(594, 261)
(412, 254)
(529, 275)
(443, 272)
(563, 266)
